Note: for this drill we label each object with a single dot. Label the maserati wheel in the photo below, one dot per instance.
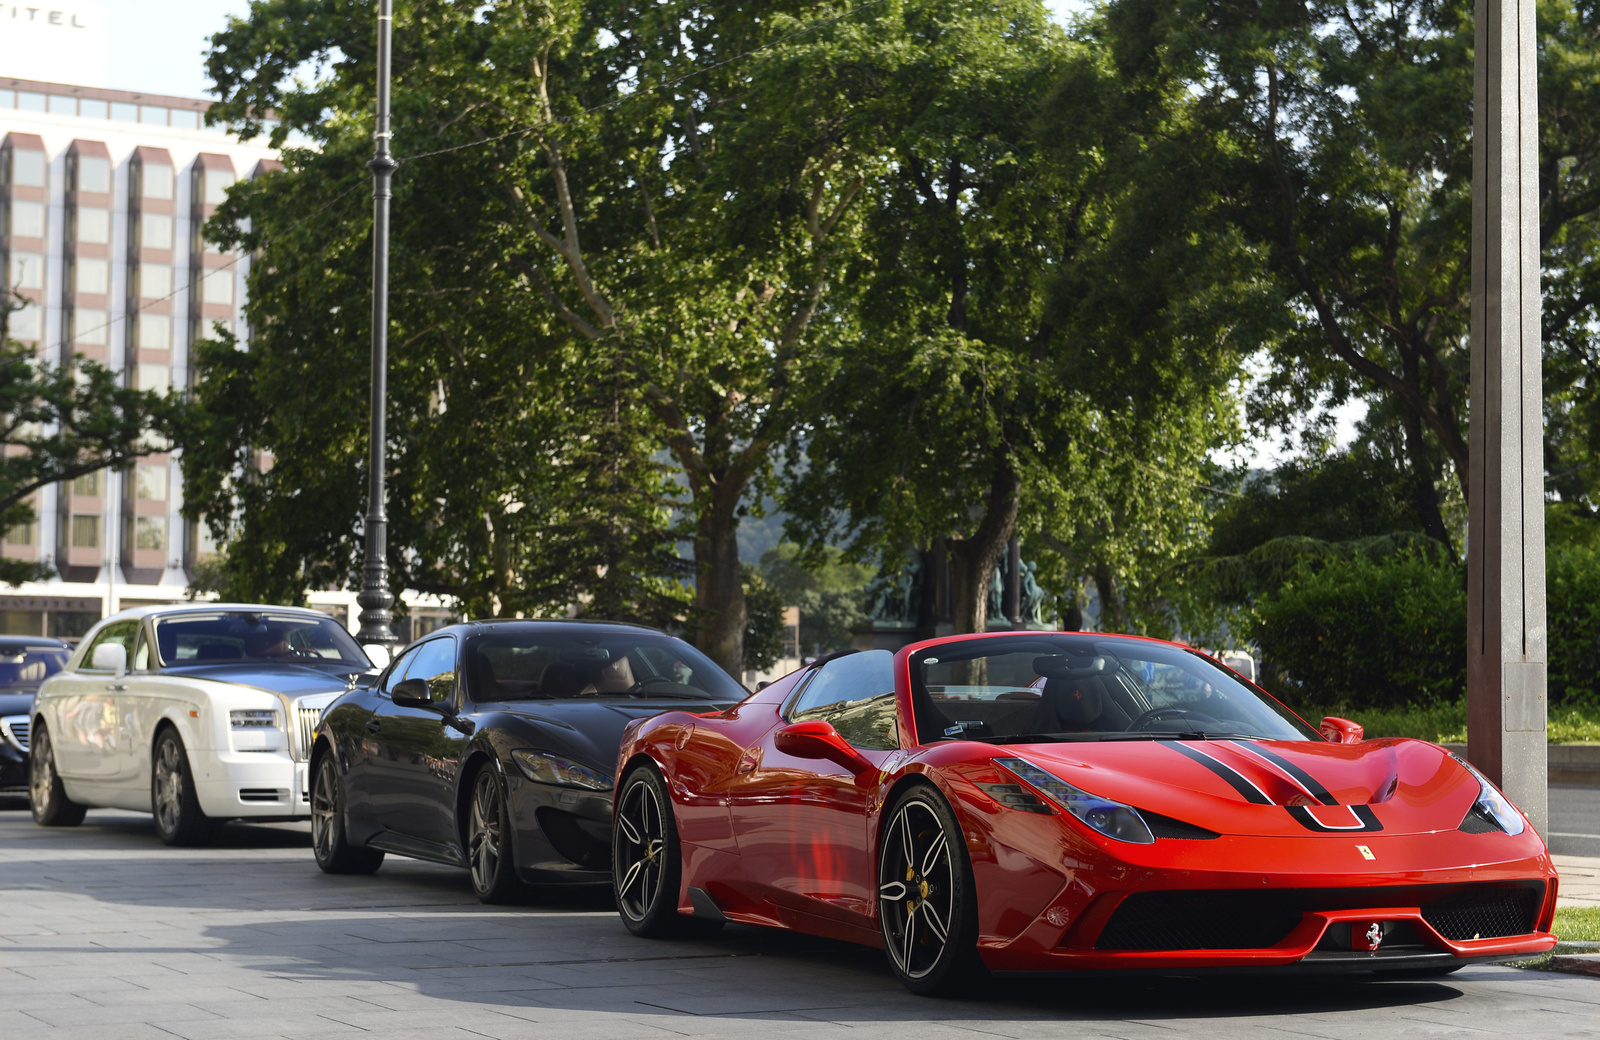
(494, 870)
(927, 906)
(335, 854)
(646, 861)
(173, 800)
(46, 795)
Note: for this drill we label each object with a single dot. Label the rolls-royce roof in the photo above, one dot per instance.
(200, 607)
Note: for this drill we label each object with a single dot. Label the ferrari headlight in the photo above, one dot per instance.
(1491, 806)
(1113, 819)
(251, 719)
(546, 768)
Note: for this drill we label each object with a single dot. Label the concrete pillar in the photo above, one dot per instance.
(1506, 637)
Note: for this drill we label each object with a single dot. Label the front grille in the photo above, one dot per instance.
(307, 720)
(14, 731)
(1250, 920)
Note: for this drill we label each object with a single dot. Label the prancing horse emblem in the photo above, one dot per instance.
(1375, 936)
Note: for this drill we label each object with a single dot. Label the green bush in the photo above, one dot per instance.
(1364, 631)
(1573, 610)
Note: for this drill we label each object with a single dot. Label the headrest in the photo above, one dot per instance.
(1076, 702)
(1062, 666)
(561, 679)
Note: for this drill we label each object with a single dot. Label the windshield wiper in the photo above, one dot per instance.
(1193, 734)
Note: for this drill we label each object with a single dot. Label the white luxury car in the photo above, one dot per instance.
(196, 713)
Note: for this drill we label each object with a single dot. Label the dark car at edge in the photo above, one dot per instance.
(25, 662)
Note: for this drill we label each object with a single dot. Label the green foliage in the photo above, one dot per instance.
(1572, 579)
(829, 594)
(1577, 923)
(763, 633)
(1446, 722)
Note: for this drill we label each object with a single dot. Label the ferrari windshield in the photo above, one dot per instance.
(1079, 686)
(251, 636)
(557, 662)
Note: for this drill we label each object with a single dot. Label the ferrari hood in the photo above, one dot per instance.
(1272, 786)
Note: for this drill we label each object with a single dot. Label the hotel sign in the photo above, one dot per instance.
(55, 41)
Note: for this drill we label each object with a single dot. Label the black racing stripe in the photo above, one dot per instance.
(1307, 781)
(1363, 813)
(1235, 780)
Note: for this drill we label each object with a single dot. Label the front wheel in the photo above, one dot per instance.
(173, 800)
(335, 854)
(47, 796)
(489, 851)
(647, 861)
(927, 905)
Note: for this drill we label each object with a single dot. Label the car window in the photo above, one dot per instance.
(397, 674)
(435, 664)
(559, 663)
(118, 633)
(856, 694)
(141, 653)
(30, 666)
(248, 635)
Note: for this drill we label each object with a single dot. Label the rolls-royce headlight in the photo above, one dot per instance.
(545, 768)
(1492, 811)
(251, 718)
(1113, 819)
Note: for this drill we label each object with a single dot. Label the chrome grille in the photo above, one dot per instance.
(14, 730)
(305, 731)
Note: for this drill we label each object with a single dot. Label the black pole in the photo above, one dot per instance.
(375, 598)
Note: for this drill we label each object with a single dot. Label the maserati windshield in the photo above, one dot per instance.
(554, 665)
(1039, 688)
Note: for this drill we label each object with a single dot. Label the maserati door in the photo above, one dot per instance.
(412, 777)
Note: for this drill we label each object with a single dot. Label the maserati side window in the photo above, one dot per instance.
(398, 672)
(856, 694)
(435, 664)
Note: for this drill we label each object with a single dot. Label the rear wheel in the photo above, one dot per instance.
(173, 800)
(927, 905)
(489, 850)
(335, 854)
(647, 861)
(46, 794)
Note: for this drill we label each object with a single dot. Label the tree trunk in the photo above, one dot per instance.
(1112, 616)
(718, 588)
(973, 560)
(1424, 490)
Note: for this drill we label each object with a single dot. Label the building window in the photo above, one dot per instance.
(150, 483)
(25, 322)
(27, 169)
(155, 231)
(94, 226)
(27, 271)
(217, 286)
(150, 532)
(27, 220)
(21, 534)
(217, 184)
(157, 182)
(85, 532)
(63, 106)
(189, 120)
(89, 326)
(91, 276)
(124, 111)
(155, 332)
(87, 485)
(91, 109)
(153, 114)
(155, 281)
(28, 101)
(94, 174)
(153, 377)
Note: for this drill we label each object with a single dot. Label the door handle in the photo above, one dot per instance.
(116, 687)
(373, 725)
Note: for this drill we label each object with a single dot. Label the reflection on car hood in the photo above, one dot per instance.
(590, 729)
(293, 679)
(1283, 787)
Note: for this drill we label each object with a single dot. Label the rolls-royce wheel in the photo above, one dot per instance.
(335, 854)
(489, 851)
(46, 795)
(647, 862)
(173, 800)
(927, 905)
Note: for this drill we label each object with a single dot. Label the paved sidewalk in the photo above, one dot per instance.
(1580, 880)
(104, 932)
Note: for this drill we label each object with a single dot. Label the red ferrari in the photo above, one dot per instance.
(1050, 800)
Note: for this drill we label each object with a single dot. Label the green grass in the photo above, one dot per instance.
(1577, 923)
(1447, 723)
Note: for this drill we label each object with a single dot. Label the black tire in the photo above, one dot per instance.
(647, 861)
(491, 858)
(47, 797)
(173, 800)
(334, 853)
(927, 904)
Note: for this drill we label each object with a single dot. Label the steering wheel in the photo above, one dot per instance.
(642, 683)
(1170, 711)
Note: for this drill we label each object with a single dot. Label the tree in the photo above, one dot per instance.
(58, 423)
(829, 592)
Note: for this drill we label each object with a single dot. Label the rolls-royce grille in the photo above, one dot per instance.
(14, 729)
(1251, 920)
(307, 719)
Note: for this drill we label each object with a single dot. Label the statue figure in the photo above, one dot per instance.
(1032, 609)
(997, 591)
(881, 601)
(910, 584)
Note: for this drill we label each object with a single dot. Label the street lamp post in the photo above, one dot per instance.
(375, 598)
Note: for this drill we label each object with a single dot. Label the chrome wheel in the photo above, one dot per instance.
(916, 888)
(484, 836)
(324, 807)
(640, 844)
(41, 769)
(167, 784)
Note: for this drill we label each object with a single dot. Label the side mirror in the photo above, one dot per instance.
(763, 684)
(818, 739)
(1341, 731)
(110, 657)
(411, 693)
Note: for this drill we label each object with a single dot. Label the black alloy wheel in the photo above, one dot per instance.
(47, 796)
(927, 906)
(335, 854)
(489, 853)
(173, 800)
(647, 861)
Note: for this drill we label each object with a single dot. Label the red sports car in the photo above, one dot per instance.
(1051, 800)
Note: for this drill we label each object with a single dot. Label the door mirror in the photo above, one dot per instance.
(818, 739)
(411, 693)
(110, 657)
(1341, 731)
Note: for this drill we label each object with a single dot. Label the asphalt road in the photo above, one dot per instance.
(1575, 821)
(104, 932)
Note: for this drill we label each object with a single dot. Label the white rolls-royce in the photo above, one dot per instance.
(196, 713)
